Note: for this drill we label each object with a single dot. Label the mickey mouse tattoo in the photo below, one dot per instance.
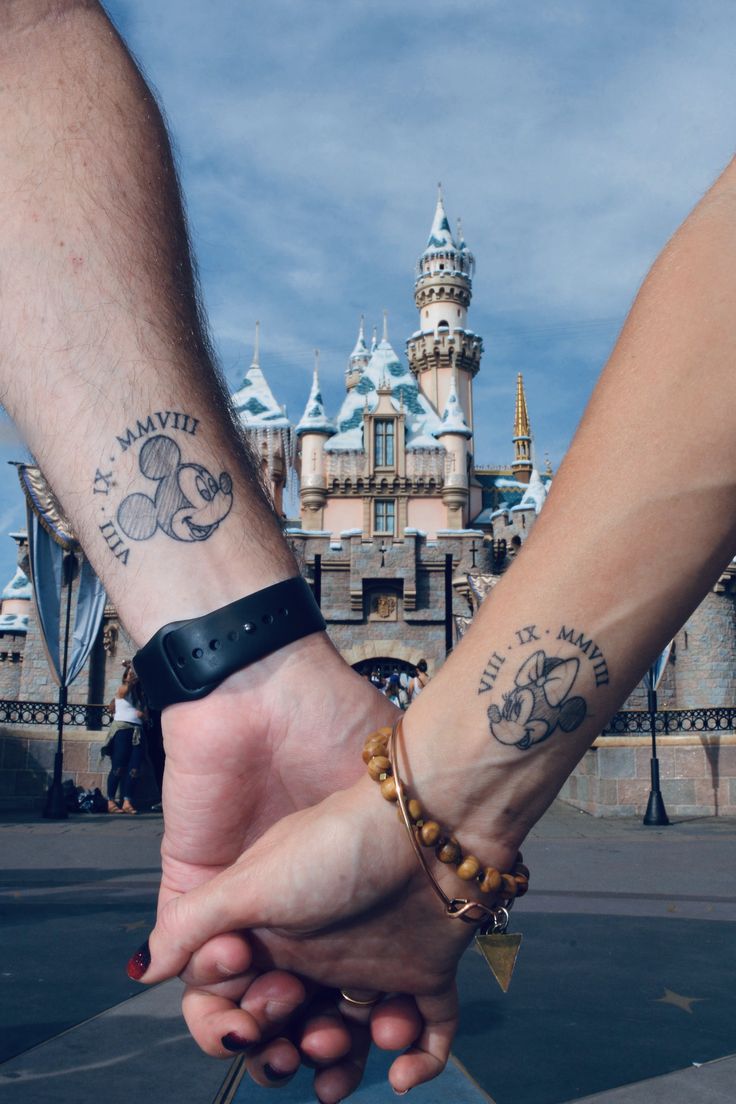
(182, 499)
(541, 699)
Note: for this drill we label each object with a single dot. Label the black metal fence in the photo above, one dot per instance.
(674, 721)
(94, 717)
(628, 722)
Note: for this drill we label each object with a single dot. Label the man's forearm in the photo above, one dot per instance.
(105, 363)
(640, 521)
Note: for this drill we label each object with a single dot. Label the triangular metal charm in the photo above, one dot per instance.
(500, 951)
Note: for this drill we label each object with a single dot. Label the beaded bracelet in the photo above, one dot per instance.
(498, 946)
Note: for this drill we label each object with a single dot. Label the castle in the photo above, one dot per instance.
(397, 524)
(394, 511)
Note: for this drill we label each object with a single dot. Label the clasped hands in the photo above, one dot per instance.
(272, 827)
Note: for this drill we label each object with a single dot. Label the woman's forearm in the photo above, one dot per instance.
(639, 523)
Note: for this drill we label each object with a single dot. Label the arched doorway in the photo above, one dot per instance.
(385, 666)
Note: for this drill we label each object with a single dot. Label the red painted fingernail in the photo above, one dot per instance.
(234, 1042)
(139, 962)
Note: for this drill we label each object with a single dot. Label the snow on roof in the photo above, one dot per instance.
(440, 236)
(255, 404)
(314, 419)
(360, 352)
(19, 586)
(453, 419)
(385, 369)
(535, 493)
(14, 622)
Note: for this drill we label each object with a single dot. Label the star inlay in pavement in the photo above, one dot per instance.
(678, 1000)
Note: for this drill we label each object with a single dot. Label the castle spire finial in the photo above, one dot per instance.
(385, 325)
(316, 365)
(521, 417)
(256, 363)
(522, 465)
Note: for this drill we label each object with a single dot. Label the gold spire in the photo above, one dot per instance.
(521, 419)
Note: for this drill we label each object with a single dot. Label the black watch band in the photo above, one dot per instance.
(186, 660)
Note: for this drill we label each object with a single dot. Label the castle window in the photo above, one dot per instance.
(384, 442)
(384, 516)
(443, 327)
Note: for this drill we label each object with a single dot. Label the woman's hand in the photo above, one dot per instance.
(335, 895)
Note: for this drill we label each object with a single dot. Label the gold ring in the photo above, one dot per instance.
(359, 1003)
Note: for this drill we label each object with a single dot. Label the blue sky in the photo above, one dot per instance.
(571, 136)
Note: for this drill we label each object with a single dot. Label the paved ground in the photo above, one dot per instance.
(624, 976)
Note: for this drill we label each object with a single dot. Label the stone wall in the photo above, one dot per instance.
(697, 776)
(27, 765)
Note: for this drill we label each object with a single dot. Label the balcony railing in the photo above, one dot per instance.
(673, 721)
(86, 715)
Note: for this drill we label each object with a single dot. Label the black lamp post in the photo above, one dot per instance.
(55, 807)
(656, 814)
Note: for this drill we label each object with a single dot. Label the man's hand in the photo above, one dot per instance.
(334, 894)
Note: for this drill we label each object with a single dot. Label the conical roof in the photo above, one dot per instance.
(440, 236)
(535, 493)
(385, 369)
(314, 419)
(254, 401)
(453, 419)
(360, 352)
(19, 586)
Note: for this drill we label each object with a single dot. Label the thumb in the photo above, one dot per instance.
(186, 921)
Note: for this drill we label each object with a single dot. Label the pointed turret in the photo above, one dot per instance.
(254, 401)
(314, 419)
(455, 435)
(453, 419)
(442, 293)
(358, 359)
(522, 465)
(440, 235)
(265, 424)
(313, 431)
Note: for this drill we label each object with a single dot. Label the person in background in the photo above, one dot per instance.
(420, 680)
(128, 749)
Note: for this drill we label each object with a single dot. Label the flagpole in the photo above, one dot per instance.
(55, 807)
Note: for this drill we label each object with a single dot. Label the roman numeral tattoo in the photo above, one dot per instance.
(490, 674)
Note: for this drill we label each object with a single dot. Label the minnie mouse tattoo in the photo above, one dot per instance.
(541, 699)
(183, 499)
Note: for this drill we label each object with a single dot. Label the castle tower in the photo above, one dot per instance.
(522, 465)
(312, 432)
(358, 359)
(455, 435)
(442, 293)
(265, 425)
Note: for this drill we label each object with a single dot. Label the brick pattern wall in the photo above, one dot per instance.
(27, 764)
(697, 776)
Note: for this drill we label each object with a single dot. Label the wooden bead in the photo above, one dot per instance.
(519, 868)
(429, 833)
(522, 884)
(388, 789)
(509, 887)
(468, 868)
(377, 766)
(414, 808)
(491, 882)
(449, 851)
(372, 747)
